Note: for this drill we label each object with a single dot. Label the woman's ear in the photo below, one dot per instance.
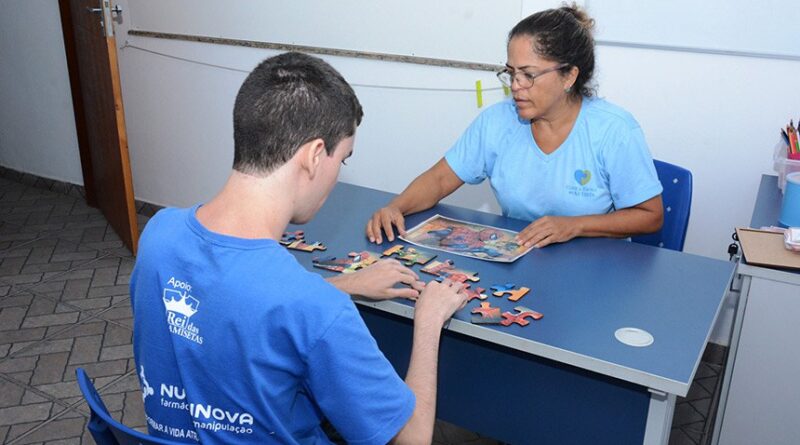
(571, 77)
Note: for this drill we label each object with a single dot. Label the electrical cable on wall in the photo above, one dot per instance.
(387, 87)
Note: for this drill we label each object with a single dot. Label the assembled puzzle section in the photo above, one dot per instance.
(409, 255)
(296, 241)
(353, 262)
(447, 270)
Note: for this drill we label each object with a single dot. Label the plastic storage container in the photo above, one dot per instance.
(783, 165)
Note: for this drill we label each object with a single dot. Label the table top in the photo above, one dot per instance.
(586, 289)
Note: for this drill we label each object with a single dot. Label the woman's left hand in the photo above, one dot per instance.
(548, 230)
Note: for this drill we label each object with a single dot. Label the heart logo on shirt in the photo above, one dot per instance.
(583, 176)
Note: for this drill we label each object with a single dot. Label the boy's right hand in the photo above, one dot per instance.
(439, 301)
(385, 219)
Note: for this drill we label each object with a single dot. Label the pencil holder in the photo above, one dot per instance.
(784, 165)
(790, 208)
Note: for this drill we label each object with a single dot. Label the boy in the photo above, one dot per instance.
(234, 341)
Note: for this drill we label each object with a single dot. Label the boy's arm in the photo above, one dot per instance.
(436, 304)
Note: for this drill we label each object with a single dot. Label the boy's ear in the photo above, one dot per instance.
(311, 156)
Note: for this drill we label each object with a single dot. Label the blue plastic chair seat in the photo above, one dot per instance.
(104, 429)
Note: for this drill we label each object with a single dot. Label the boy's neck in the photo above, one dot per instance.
(250, 207)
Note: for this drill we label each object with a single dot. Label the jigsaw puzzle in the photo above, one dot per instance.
(353, 262)
(514, 294)
(296, 241)
(448, 270)
(409, 256)
(467, 239)
(475, 294)
(487, 314)
(520, 317)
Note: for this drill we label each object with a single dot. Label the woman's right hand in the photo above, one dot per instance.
(384, 219)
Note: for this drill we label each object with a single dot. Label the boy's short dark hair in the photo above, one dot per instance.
(285, 102)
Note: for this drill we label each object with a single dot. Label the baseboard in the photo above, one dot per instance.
(75, 190)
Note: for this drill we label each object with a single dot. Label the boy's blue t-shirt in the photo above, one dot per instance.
(235, 342)
(603, 165)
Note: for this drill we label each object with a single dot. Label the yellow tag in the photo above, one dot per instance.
(479, 93)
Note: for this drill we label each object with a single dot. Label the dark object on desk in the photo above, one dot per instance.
(677, 197)
(104, 429)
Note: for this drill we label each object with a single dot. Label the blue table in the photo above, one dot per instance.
(565, 378)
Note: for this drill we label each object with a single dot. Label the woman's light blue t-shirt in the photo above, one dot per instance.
(603, 165)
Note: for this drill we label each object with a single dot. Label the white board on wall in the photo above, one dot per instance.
(768, 28)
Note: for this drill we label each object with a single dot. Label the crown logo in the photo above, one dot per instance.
(179, 303)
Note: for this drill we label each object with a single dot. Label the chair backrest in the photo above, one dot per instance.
(104, 429)
(677, 197)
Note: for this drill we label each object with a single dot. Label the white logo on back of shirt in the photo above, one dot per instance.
(180, 308)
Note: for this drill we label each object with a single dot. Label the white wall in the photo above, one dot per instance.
(713, 114)
(37, 125)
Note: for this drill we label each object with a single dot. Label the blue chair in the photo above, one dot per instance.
(105, 430)
(677, 197)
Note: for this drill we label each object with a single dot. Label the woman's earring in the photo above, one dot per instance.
(568, 90)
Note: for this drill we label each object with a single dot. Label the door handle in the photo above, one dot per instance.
(116, 10)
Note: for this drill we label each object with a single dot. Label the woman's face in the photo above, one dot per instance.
(547, 94)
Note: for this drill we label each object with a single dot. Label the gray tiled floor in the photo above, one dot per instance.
(64, 304)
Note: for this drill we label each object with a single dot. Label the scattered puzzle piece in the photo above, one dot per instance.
(301, 245)
(409, 255)
(296, 241)
(520, 317)
(436, 267)
(447, 270)
(487, 314)
(477, 293)
(510, 289)
(289, 237)
(353, 262)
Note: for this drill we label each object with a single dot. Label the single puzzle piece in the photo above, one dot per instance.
(456, 277)
(290, 237)
(301, 245)
(410, 255)
(296, 241)
(486, 314)
(353, 262)
(509, 288)
(447, 270)
(477, 293)
(520, 317)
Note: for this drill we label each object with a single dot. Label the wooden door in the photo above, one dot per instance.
(92, 61)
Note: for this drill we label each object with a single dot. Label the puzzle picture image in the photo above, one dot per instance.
(467, 239)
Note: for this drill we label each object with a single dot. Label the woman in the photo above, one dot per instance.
(573, 164)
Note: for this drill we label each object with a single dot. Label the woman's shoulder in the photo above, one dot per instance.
(502, 110)
(602, 112)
